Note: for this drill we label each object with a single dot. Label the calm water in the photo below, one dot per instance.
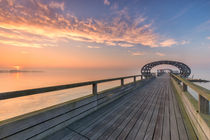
(202, 75)
(19, 81)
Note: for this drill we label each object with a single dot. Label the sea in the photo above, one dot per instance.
(51, 77)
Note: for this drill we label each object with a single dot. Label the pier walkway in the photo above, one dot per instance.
(149, 107)
(149, 112)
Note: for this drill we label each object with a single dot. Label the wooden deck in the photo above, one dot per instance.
(150, 112)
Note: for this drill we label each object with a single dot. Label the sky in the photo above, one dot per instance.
(103, 33)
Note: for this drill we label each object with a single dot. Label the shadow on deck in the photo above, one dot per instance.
(149, 112)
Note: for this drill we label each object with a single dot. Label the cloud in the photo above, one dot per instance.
(136, 53)
(57, 5)
(94, 47)
(125, 45)
(208, 37)
(35, 24)
(110, 43)
(185, 42)
(159, 54)
(168, 43)
(106, 2)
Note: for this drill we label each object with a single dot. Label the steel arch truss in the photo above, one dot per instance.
(185, 71)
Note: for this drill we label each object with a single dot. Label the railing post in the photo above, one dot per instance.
(178, 81)
(141, 77)
(203, 105)
(122, 81)
(184, 87)
(134, 79)
(94, 89)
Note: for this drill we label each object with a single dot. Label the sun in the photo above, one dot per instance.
(17, 67)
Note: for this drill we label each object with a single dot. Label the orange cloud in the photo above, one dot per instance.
(125, 45)
(94, 47)
(159, 54)
(168, 43)
(136, 53)
(44, 25)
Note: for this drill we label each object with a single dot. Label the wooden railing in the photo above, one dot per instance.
(203, 94)
(41, 123)
(14, 94)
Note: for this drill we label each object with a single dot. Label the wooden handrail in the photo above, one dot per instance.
(200, 90)
(203, 93)
(14, 94)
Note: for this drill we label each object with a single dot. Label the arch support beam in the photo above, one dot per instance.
(185, 71)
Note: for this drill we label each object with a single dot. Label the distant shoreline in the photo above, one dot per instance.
(17, 71)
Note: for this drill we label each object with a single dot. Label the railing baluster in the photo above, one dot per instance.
(184, 87)
(94, 89)
(122, 81)
(134, 79)
(203, 105)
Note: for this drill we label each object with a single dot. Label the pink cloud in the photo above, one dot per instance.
(94, 47)
(44, 24)
(57, 5)
(159, 54)
(138, 53)
(168, 43)
(125, 45)
(106, 2)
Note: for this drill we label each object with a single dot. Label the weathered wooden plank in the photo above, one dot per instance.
(166, 123)
(152, 125)
(150, 112)
(189, 128)
(42, 117)
(111, 119)
(132, 101)
(143, 110)
(150, 119)
(60, 134)
(159, 123)
(180, 123)
(173, 123)
(117, 127)
(93, 125)
(77, 136)
(99, 116)
(115, 121)
(93, 119)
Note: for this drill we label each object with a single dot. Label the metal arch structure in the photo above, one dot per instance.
(185, 71)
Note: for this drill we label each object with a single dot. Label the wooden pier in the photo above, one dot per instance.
(150, 112)
(154, 108)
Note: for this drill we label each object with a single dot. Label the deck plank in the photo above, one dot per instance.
(115, 118)
(96, 117)
(121, 133)
(138, 123)
(181, 128)
(166, 122)
(150, 119)
(150, 112)
(120, 124)
(159, 123)
(173, 124)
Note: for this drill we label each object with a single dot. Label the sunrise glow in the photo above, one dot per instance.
(16, 67)
(119, 34)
